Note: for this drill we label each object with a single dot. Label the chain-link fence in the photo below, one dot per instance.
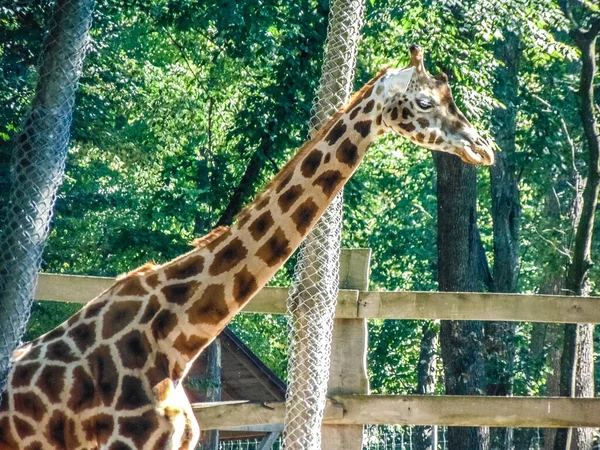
(37, 169)
(312, 298)
(376, 437)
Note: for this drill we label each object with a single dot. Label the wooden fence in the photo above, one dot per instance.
(349, 406)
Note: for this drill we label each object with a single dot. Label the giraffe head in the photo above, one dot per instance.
(421, 108)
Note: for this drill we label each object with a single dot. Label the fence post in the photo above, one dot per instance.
(348, 372)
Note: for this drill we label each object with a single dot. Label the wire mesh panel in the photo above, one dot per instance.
(312, 298)
(37, 169)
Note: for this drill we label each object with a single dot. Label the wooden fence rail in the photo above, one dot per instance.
(354, 304)
(347, 406)
(540, 412)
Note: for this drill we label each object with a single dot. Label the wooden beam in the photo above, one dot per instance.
(379, 305)
(543, 412)
(479, 306)
(349, 346)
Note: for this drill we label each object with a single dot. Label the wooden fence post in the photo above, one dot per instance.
(348, 372)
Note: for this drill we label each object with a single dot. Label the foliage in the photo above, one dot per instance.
(178, 97)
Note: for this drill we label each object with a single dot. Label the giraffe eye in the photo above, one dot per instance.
(424, 103)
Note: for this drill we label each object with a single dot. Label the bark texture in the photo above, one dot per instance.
(460, 268)
(506, 217)
(425, 436)
(576, 364)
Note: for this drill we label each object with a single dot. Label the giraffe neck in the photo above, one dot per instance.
(198, 293)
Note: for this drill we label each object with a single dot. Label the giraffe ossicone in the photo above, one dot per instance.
(110, 377)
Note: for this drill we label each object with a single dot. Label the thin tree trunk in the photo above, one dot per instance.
(459, 269)
(37, 168)
(426, 369)
(211, 360)
(576, 363)
(506, 217)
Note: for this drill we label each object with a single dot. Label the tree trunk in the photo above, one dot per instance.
(506, 217)
(37, 169)
(211, 362)
(576, 363)
(459, 269)
(426, 369)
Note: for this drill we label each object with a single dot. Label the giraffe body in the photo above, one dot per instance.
(111, 376)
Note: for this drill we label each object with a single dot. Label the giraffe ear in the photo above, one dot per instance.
(398, 80)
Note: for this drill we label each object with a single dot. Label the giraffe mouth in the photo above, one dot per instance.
(478, 154)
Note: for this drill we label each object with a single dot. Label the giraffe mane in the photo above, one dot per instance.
(309, 145)
(208, 238)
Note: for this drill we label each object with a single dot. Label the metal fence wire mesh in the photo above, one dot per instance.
(37, 170)
(312, 299)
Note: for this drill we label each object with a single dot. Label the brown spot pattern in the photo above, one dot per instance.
(152, 307)
(304, 215)
(84, 335)
(60, 351)
(94, 308)
(394, 114)
(83, 392)
(379, 119)
(354, 112)
(132, 395)
(289, 197)
(407, 113)
(152, 280)
(180, 293)
(24, 428)
(187, 268)
(284, 182)
(7, 440)
(211, 308)
(407, 127)
(104, 373)
(244, 285)
(423, 122)
(134, 349)
(265, 201)
(159, 371)
(163, 324)
(311, 163)
(329, 181)
(132, 287)
(119, 315)
(98, 428)
(432, 137)
(52, 382)
(138, 429)
(228, 257)
(189, 346)
(30, 405)
(369, 106)
(327, 158)
(420, 137)
(222, 237)
(23, 374)
(276, 249)
(347, 153)
(364, 127)
(336, 132)
(61, 432)
(261, 225)
(439, 140)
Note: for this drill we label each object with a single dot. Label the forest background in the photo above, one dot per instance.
(186, 108)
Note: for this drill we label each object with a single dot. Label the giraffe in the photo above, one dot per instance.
(110, 377)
